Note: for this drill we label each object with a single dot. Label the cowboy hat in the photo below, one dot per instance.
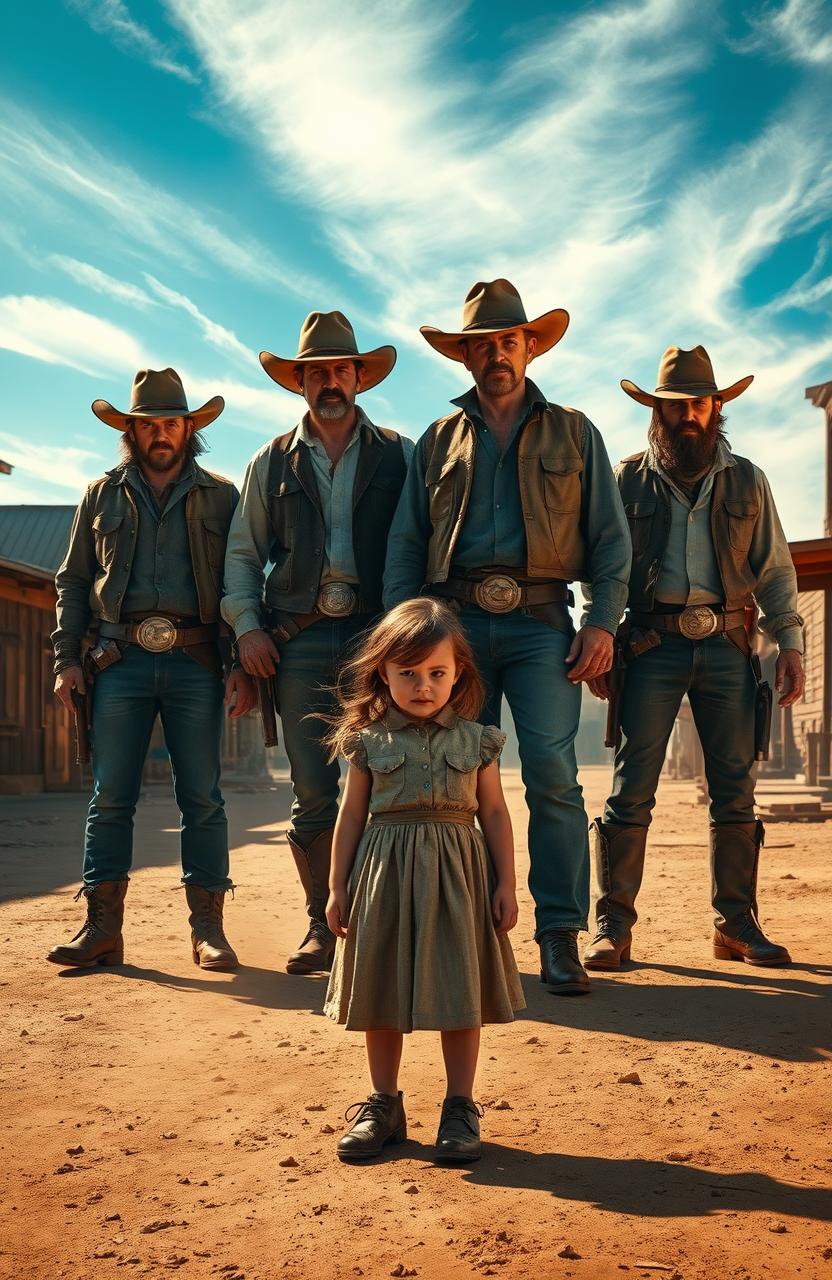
(685, 375)
(158, 393)
(328, 335)
(490, 307)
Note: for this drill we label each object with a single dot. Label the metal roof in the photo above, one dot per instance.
(35, 537)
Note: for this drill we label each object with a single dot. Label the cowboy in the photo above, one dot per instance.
(508, 499)
(144, 565)
(316, 504)
(707, 548)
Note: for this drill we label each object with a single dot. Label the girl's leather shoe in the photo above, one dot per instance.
(458, 1138)
(379, 1120)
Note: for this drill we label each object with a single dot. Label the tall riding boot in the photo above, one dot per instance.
(99, 941)
(314, 955)
(211, 948)
(735, 856)
(619, 866)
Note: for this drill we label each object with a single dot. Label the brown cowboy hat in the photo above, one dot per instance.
(491, 306)
(685, 375)
(158, 393)
(328, 335)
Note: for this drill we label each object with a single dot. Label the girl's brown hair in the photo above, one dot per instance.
(404, 635)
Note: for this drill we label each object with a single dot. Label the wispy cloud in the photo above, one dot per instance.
(112, 18)
(100, 282)
(798, 29)
(215, 334)
(69, 468)
(49, 330)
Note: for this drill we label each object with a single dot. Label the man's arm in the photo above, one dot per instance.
(407, 543)
(73, 581)
(776, 594)
(247, 551)
(609, 550)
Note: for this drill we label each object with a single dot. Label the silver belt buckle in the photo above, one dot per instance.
(337, 600)
(698, 621)
(498, 593)
(156, 634)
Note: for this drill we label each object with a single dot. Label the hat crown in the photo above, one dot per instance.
(326, 334)
(493, 304)
(158, 389)
(681, 370)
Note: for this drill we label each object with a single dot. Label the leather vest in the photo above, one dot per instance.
(297, 522)
(735, 506)
(550, 466)
(114, 518)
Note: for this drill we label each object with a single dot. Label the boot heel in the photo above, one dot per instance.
(195, 956)
(112, 957)
(724, 953)
(400, 1135)
(625, 953)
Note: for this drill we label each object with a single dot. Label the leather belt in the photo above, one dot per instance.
(158, 634)
(501, 593)
(461, 819)
(697, 622)
(338, 600)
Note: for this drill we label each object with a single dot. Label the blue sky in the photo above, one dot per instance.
(181, 181)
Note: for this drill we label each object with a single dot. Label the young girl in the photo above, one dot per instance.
(420, 902)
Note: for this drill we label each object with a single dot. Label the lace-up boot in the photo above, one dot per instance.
(735, 857)
(99, 941)
(458, 1138)
(618, 856)
(560, 967)
(211, 948)
(377, 1121)
(314, 955)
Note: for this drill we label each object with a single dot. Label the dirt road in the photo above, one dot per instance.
(157, 1119)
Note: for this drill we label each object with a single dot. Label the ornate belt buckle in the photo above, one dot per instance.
(156, 634)
(498, 594)
(336, 600)
(697, 622)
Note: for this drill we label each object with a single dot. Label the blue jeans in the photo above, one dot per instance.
(128, 697)
(719, 683)
(523, 658)
(306, 674)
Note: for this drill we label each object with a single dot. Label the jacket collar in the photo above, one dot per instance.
(118, 475)
(302, 434)
(470, 402)
(395, 718)
(723, 458)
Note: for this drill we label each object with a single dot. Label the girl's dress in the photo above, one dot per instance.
(421, 951)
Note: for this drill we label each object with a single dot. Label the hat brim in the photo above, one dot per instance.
(377, 364)
(650, 398)
(548, 329)
(120, 420)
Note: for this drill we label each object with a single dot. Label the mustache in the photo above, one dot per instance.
(331, 393)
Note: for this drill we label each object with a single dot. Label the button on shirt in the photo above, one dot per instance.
(162, 576)
(335, 482)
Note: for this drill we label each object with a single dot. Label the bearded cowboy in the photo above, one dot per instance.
(508, 499)
(144, 566)
(707, 547)
(316, 505)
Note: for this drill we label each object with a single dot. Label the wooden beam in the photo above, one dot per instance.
(40, 595)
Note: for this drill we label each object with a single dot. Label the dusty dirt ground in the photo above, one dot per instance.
(158, 1119)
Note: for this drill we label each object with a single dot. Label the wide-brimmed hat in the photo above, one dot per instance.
(685, 375)
(491, 306)
(328, 335)
(158, 393)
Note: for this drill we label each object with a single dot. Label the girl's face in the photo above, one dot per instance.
(424, 688)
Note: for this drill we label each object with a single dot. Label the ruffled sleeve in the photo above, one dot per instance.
(492, 742)
(355, 752)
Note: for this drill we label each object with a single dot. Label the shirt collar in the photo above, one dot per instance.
(136, 476)
(303, 435)
(470, 401)
(395, 718)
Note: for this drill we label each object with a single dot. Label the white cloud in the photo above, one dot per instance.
(799, 30)
(100, 282)
(113, 18)
(216, 334)
(49, 330)
(66, 468)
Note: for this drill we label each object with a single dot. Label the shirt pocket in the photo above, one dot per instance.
(105, 531)
(742, 516)
(561, 482)
(640, 519)
(461, 775)
(388, 775)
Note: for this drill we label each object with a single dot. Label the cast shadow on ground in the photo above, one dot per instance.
(251, 986)
(777, 1015)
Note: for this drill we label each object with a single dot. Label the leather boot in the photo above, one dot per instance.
(458, 1138)
(314, 955)
(100, 940)
(618, 855)
(211, 948)
(560, 968)
(379, 1120)
(735, 856)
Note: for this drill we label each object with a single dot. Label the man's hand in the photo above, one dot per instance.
(67, 680)
(590, 655)
(258, 653)
(240, 694)
(789, 677)
(599, 687)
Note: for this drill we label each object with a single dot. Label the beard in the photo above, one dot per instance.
(686, 454)
(164, 460)
(160, 458)
(331, 404)
(495, 382)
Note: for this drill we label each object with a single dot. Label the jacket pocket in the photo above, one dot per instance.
(640, 519)
(284, 504)
(388, 775)
(215, 535)
(440, 482)
(461, 778)
(105, 532)
(742, 516)
(561, 482)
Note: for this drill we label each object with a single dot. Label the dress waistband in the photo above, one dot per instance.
(409, 816)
